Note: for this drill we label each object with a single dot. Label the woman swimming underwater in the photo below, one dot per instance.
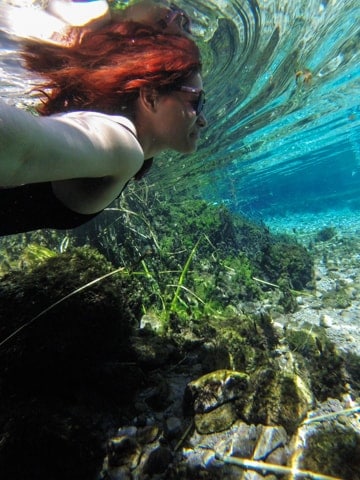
(116, 93)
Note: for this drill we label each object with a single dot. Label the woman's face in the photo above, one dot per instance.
(178, 124)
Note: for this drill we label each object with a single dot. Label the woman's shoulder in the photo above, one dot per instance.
(112, 133)
(93, 117)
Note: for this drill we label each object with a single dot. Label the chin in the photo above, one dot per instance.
(187, 146)
(191, 147)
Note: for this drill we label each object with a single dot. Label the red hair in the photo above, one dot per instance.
(103, 70)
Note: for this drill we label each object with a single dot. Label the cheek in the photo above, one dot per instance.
(178, 113)
(177, 124)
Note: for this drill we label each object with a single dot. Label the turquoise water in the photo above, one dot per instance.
(282, 146)
(279, 141)
(283, 94)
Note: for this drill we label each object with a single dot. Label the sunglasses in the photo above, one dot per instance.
(179, 17)
(198, 104)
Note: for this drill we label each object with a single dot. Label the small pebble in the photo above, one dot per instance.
(173, 427)
(325, 321)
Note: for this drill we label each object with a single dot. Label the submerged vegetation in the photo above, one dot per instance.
(198, 258)
(110, 307)
(190, 260)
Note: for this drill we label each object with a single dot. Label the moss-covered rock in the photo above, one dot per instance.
(321, 359)
(62, 375)
(339, 298)
(277, 396)
(217, 420)
(325, 234)
(62, 335)
(248, 339)
(334, 450)
(289, 262)
(214, 389)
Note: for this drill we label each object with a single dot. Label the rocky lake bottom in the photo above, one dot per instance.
(263, 393)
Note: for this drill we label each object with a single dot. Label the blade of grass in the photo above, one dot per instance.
(182, 277)
(53, 305)
(151, 277)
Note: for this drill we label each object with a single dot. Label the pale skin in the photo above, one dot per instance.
(87, 176)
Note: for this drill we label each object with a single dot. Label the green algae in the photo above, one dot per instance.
(61, 376)
(320, 357)
(338, 298)
(72, 330)
(334, 449)
(325, 234)
(289, 263)
(228, 254)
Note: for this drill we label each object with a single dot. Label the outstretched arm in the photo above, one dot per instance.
(86, 145)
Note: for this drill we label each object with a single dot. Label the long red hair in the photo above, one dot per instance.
(103, 70)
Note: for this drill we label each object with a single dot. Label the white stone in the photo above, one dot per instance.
(325, 321)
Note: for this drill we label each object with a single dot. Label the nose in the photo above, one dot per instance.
(201, 120)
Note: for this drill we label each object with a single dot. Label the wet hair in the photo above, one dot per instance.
(103, 70)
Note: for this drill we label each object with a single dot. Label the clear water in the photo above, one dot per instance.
(280, 142)
(283, 104)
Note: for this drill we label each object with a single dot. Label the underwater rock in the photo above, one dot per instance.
(172, 427)
(338, 298)
(214, 389)
(325, 321)
(277, 396)
(118, 473)
(271, 440)
(216, 420)
(334, 450)
(151, 350)
(123, 450)
(158, 461)
(157, 395)
(147, 434)
(203, 452)
(317, 355)
(151, 322)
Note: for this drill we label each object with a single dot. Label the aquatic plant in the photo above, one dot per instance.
(180, 282)
(288, 262)
(327, 233)
(225, 265)
(33, 254)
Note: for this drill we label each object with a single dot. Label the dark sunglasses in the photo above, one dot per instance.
(178, 16)
(197, 104)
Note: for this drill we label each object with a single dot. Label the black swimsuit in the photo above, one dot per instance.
(34, 206)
